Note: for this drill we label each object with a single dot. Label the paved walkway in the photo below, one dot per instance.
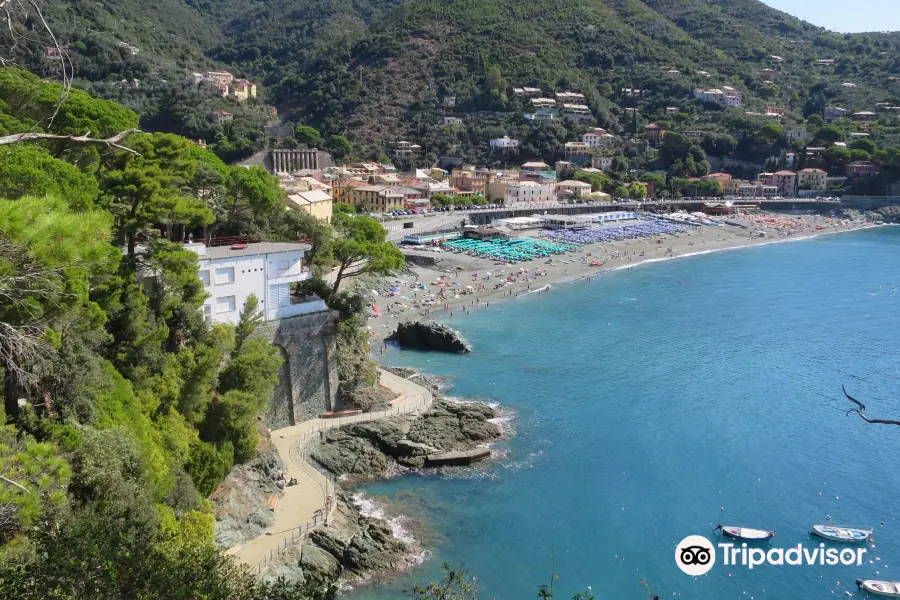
(301, 507)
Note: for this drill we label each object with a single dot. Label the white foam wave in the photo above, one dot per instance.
(399, 526)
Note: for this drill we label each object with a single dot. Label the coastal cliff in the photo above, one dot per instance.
(239, 502)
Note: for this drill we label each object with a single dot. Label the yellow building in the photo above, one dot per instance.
(733, 186)
(243, 89)
(376, 198)
(722, 178)
(811, 179)
(316, 202)
(468, 179)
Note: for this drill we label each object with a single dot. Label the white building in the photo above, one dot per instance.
(452, 121)
(728, 97)
(542, 114)
(598, 138)
(503, 143)
(604, 163)
(267, 270)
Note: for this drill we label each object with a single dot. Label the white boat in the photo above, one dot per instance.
(837, 533)
(891, 589)
(746, 534)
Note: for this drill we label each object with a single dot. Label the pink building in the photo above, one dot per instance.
(862, 168)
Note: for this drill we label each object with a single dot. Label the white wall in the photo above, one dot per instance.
(268, 276)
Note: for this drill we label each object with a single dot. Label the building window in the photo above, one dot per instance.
(224, 305)
(279, 294)
(282, 265)
(207, 312)
(204, 276)
(224, 275)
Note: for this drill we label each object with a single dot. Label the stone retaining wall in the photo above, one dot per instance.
(308, 380)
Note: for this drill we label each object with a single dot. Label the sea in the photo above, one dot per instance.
(659, 401)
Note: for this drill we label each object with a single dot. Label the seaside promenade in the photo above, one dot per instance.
(302, 507)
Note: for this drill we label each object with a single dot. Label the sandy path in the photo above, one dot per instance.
(301, 506)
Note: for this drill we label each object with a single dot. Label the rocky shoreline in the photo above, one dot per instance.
(366, 451)
(353, 547)
(357, 545)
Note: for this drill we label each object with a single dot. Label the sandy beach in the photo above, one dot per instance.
(475, 284)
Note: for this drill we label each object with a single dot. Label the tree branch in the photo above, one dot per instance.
(18, 485)
(33, 136)
(861, 411)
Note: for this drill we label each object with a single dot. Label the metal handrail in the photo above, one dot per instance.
(299, 449)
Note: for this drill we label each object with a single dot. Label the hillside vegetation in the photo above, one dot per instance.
(377, 70)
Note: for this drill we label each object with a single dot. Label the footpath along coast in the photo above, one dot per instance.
(308, 504)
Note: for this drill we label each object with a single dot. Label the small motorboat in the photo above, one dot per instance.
(891, 589)
(841, 534)
(745, 533)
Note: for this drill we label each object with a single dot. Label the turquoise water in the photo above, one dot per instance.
(649, 400)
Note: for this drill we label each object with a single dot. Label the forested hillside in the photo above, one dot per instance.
(378, 70)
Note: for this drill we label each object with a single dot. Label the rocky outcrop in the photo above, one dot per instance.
(370, 450)
(429, 336)
(352, 546)
(435, 383)
(239, 503)
(369, 399)
(889, 214)
(454, 426)
(456, 459)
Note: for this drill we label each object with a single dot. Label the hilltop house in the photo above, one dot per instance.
(604, 163)
(597, 138)
(577, 149)
(653, 131)
(243, 90)
(726, 97)
(221, 116)
(219, 77)
(862, 168)
(504, 143)
(834, 112)
(403, 148)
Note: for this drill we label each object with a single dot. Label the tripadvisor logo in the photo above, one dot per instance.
(696, 555)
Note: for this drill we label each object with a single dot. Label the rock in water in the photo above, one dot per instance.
(429, 336)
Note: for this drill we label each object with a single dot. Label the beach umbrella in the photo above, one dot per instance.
(374, 293)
